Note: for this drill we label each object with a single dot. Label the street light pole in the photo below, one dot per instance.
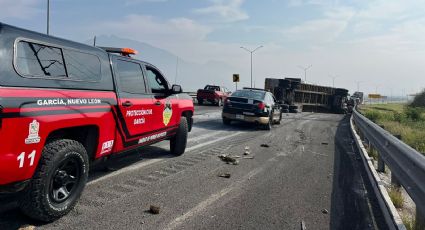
(251, 51)
(48, 16)
(358, 85)
(305, 71)
(333, 80)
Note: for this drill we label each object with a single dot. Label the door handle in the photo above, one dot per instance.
(157, 103)
(127, 104)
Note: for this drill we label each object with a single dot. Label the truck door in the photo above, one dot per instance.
(135, 113)
(164, 104)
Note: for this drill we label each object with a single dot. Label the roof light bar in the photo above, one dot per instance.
(122, 51)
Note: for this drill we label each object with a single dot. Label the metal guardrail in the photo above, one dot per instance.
(406, 164)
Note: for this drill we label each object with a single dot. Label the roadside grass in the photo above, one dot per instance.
(409, 222)
(396, 197)
(399, 119)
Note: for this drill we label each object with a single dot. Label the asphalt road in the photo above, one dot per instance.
(309, 175)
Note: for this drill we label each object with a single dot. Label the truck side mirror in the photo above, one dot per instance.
(176, 89)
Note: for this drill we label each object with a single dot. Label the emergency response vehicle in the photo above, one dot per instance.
(65, 106)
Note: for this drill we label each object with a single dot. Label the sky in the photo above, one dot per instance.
(378, 45)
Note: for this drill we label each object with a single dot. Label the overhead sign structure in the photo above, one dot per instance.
(375, 95)
(235, 77)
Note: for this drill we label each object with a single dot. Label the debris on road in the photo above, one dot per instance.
(265, 145)
(247, 151)
(228, 159)
(154, 209)
(325, 143)
(325, 211)
(225, 175)
(303, 225)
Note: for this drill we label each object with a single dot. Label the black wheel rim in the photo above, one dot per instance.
(65, 180)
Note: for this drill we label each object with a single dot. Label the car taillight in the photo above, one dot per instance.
(227, 101)
(261, 105)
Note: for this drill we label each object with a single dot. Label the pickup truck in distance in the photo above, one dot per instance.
(213, 94)
(65, 106)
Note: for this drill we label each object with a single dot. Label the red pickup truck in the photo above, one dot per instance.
(65, 106)
(213, 94)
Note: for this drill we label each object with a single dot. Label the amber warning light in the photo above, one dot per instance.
(122, 51)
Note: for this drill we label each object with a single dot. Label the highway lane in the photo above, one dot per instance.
(309, 173)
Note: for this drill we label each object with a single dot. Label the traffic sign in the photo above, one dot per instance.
(375, 95)
(235, 77)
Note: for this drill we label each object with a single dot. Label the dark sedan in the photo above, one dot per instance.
(252, 105)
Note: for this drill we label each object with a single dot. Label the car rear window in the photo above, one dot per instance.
(214, 88)
(43, 61)
(251, 94)
(34, 60)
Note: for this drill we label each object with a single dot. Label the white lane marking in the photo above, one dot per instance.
(197, 138)
(212, 141)
(149, 162)
(210, 200)
(126, 169)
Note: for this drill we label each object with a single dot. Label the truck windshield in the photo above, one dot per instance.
(251, 94)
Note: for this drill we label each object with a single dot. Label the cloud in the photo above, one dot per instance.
(153, 30)
(228, 11)
(20, 9)
(322, 30)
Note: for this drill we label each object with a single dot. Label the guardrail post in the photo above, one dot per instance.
(419, 220)
(381, 164)
(394, 181)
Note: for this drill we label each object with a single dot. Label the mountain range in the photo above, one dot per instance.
(191, 76)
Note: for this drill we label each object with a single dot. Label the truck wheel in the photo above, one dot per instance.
(178, 142)
(200, 101)
(220, 102)
(58, 182)
(226, 121)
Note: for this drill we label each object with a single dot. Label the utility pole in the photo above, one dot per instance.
(333, 80)
(48, 16)
(305, 71)
(177, 68)
(251, 51)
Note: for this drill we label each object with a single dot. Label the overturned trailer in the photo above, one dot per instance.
(297, 96)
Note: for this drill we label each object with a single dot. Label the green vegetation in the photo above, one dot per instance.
(409, 222)
(408, 121)
(396, 197)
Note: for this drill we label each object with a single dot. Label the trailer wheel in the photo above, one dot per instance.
(179, 141)
(58, 182)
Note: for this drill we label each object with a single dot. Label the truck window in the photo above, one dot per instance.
(156, 81)
(129, 77)
(82, 66)
(36, 60)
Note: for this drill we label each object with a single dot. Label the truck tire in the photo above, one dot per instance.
(226, 121)
(200, 101)
(220, 102)
(293, 107)
(284, 106)
(179, 141)
(58, 182)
